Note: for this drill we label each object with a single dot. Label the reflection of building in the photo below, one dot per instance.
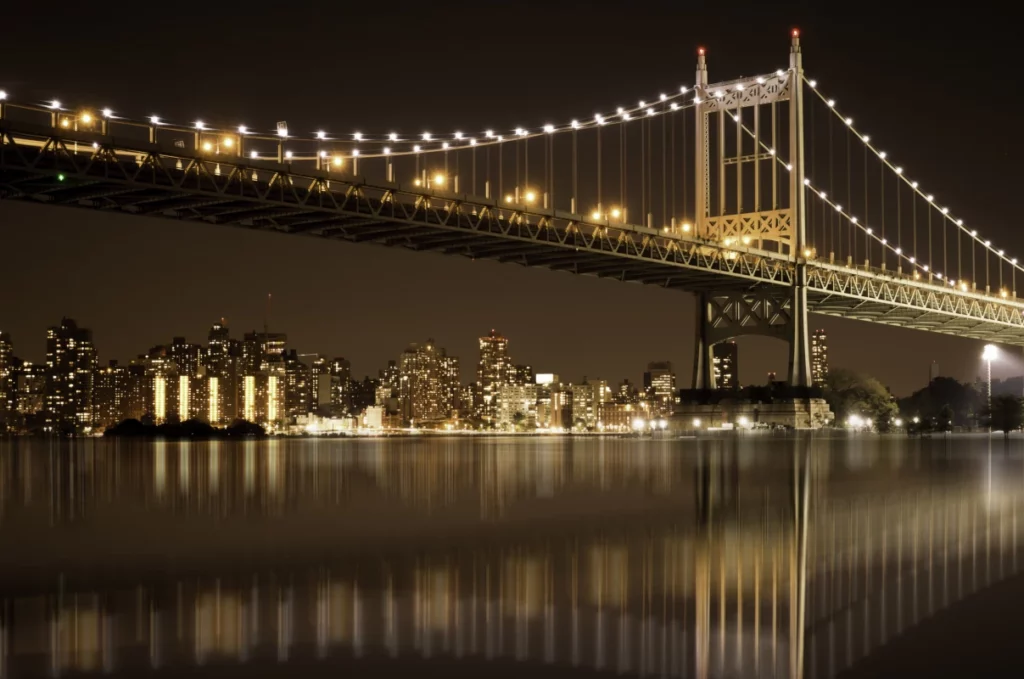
(819, 357)
(70, 365)
(494, 370)
(660, 385)
(429, 389)
(726, 362)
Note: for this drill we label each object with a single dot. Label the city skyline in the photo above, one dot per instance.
(321, 294)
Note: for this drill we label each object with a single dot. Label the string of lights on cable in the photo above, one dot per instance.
(914, 185)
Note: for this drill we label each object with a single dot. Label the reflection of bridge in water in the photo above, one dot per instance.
(737, 585)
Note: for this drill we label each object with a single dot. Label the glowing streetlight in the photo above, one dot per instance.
(989, 354)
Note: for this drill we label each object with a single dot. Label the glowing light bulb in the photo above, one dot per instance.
(760, 81)
(663, 97)
(882, 154)
(416, 148)
(154, 120)
(200, 125)
(530, 196)
(771, 152)
(595, 215)
(439, 179)
(393, 136)
(444, 145)
(355, 153)
(913, 185)
(55, 104)
(472, 141)
(866, 138)
(650, 111)
(779, 73)
(107, 113)
(521, 132)
(549, 128)
(853, 219)
(489, 133)
(337, 161)
(974, 233)
(288, 155)
(813, 83)
(848, 121)
(683, 89)
(807, 181)
(253, 154)
(323, 154)
(899, 170)
(3, 95)
(458, 135)
(242, 129)
(86, 118)
(207, 146)
(674, 106)
(959, 222)
(945, 210)
(930, 197)
(425, 136)
(387, 150)
(228, 142)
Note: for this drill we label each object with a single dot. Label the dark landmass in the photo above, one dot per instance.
(189, 429)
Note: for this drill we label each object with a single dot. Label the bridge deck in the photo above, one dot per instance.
(85, 169)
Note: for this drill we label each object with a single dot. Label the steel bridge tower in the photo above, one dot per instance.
(759, 218)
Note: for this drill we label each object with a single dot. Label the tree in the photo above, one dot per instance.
(1005, 414)
(963, 401)
(851, 393)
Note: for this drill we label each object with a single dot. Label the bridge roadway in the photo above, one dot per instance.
(56, 166)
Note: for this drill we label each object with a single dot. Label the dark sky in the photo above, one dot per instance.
(940, 91)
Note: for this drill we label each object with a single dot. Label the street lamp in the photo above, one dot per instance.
(989, 354)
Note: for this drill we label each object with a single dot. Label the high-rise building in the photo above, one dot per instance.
(660, 385)
(494, 370)
(523, 374)
(223, 361)
(585, 405)
(819, 357)
(429, 388)
(30, 396)
(8, 381)
(188, 357)
(322, 384)
(70, 366)
(260, 347)
(517, 407)
(627, 392)
(110, 394)
(298, 390)
(341, 397)
(726, 357)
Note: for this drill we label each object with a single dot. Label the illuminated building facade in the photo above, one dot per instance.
(819, 357)
(725, 356)
(429, 384)
(494, 370)
(8, 382)
(70, 366)
(110, 394)
(298, 392)
(660, 386)
(584, 405)
(517, 407)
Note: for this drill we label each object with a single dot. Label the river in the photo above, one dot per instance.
(519, 556)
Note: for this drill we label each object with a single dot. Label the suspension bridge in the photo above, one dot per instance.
(712, 188)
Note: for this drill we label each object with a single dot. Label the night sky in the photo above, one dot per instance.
(939, 92)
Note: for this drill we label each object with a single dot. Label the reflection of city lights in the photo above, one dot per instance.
(696, 423)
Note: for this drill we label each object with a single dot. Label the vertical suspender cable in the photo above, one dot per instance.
(851, 252)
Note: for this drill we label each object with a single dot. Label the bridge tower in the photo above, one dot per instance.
(760, 209)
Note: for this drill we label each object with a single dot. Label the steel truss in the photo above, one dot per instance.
(60, 167)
